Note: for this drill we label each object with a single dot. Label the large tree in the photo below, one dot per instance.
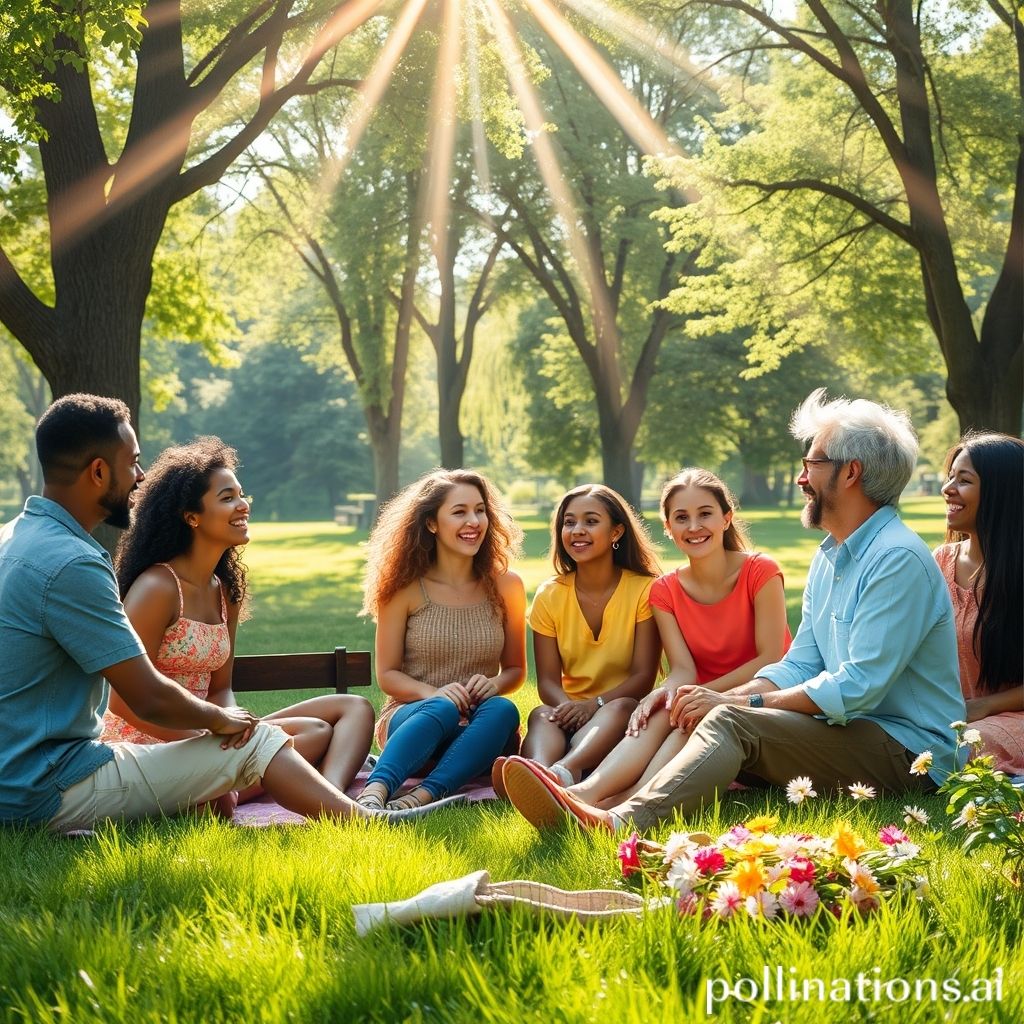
(108, 198)
(866, 180)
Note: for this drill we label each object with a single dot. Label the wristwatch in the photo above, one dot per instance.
(600, 702)
(755, 700)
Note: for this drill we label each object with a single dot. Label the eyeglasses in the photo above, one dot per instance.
(814, 462)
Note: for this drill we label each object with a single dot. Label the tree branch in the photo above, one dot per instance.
(898, 228)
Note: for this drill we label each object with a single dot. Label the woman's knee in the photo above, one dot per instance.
(619, 708)
(502, 711)
(539, 717)
(356, 708)
(443, 710)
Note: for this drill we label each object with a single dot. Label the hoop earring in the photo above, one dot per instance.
(615, 545)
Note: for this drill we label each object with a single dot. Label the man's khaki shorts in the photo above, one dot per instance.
(164, 778)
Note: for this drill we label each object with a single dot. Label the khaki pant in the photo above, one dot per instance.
(164, 778)
(774, 746)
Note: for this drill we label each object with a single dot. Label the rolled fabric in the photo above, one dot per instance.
(471, 893)
(454, 898)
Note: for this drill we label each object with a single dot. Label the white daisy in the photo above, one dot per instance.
(859, 791)
(972, 736)
(799, 789)
(922, 763)
(912, 813)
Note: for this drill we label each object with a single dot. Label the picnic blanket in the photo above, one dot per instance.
(264, 811)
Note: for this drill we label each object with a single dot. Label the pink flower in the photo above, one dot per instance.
(629, 859)
(799, 899)
(709, 859)
(727, 900)
(892, 834)
(801, 870)
(688, 904)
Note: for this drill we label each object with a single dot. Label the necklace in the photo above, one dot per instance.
(602, 595)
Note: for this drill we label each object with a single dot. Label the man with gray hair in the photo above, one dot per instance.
(870, 682)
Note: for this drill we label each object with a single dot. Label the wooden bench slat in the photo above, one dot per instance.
(337, 670)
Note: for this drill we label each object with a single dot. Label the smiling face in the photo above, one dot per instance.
(461, 522)
(224, 517)
(588, 531)
(962, 492)
(125, 476)
(818, 481)
(696, 522)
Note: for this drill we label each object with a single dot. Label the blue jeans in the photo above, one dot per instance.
(430, 728)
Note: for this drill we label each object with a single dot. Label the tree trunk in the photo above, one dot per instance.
(617, 462)
(384, 443)
(449, 435)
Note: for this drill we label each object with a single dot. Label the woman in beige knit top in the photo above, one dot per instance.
(451, 634)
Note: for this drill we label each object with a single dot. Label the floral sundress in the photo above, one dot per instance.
(190, 653)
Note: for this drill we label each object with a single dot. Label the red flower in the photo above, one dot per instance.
(709, 859)
(801, 870)
(629, 859)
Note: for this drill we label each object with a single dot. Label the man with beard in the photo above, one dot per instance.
(868, 685)
(63, 629)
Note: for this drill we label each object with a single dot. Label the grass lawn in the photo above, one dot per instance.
(195, 920)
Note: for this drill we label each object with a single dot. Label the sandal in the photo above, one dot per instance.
(409, 800)
(371, 801)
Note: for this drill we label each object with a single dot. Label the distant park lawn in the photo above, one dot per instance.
(196, 920)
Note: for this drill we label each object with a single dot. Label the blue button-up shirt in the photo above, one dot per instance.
(877, 639)
(61, 624)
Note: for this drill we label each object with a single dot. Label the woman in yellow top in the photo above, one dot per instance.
(595, 642)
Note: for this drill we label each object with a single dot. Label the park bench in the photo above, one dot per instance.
(337, 670)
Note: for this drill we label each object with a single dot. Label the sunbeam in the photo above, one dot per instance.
(643, 40)
(480, 163)
(370, 94)
(554, 181)
(636, 122)
(442, 131)
(150, 159)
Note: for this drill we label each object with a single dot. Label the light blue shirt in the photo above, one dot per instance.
(61, 624)
(877, 639)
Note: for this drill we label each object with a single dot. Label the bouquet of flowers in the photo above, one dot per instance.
(987, 805)
(750, 870)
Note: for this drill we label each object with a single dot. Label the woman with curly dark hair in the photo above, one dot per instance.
(450, 634)
(183, 584)
(983, 562)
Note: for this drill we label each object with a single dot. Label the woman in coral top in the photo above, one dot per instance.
(721, 617)
(983, 562)
(595, 643)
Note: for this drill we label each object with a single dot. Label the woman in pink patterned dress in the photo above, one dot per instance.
(184, 587)
(983, 562)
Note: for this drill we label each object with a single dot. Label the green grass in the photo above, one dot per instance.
(194, 920)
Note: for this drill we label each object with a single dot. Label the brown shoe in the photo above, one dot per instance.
(496, 780)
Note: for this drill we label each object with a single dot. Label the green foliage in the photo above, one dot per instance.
(36, 37)
(988, 807)
(799, 266)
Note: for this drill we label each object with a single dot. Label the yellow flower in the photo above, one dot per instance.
(748, 876)
(755, 847)
(847, 842)
(762, 823)
(861, 877)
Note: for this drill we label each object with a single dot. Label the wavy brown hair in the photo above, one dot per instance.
(735, 537)
(998, 459)
(402, 549)
(635, 551)
(175, 484)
